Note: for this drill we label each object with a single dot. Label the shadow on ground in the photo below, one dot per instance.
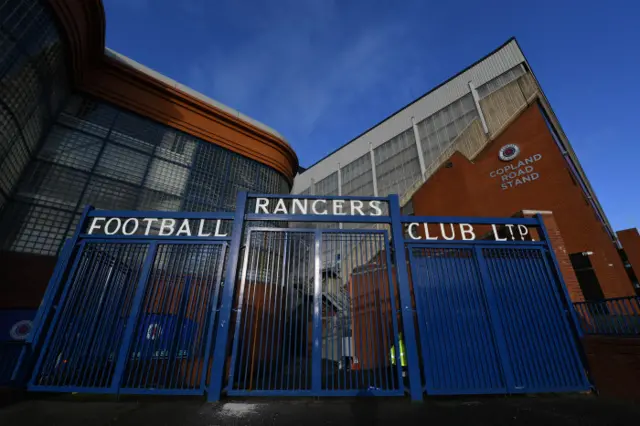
(522, 410)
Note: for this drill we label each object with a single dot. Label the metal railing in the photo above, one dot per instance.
(619, 316)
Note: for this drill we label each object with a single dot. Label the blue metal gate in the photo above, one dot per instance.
(492, 320)
(316, 315)
(134, 316)
(312, 304)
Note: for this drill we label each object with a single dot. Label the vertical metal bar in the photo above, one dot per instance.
(309, 311)
(298, 328)
(316, 356)
(552, 332)
(377, 313)
(489, 372)
(277, 315)
(213, 305)
(264, 326)
(77, 323)
(275, 304)
(445, 327)
(133, 317)
(220, 351)
(151, 297)
(104, 317)
(163, 317)
(301, 286)
(282, 337)
(559, 279)
(394, 312)
(52, 290)
(521, 324)
(354, 299)
(368, 297)
(128, 288)
(59, 312)
(254, 250)
(495, 319)
(405, 299)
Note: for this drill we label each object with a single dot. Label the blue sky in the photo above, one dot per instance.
(323, 71)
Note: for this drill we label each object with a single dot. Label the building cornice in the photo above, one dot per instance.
(92, 72)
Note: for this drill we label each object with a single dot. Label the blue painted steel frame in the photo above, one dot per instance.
(219, 347)
(316, 379)
(222, 337)
(410, 338)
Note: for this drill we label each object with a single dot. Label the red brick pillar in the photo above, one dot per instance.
(558, 246)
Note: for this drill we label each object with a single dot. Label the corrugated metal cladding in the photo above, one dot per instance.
(494, 65)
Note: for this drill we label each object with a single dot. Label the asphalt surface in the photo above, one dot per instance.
(500, 410)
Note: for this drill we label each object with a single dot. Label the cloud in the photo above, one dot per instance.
(291, 70)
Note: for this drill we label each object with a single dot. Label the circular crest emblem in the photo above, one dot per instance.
(154, 331)
(509, 152)
(20, 330)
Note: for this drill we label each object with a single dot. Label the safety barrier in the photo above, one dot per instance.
(619, 316)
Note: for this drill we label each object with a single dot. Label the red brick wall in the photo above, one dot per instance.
(614, 365)
(559, 248)
(468, 189)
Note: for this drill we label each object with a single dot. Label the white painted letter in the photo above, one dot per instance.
(262, 203)
(469, 230)
(280, 207)
(511, 232)
(167, 225)
(201, 228)
(410, 231)
(426, 232)
(375, 205)
(314, 206)
(124, 226)
(444, 235)
(356, 206)
(148, 228)
(184, 228)
(298, 207)
(523, 230)
(218, 225)
(94, 225)
(106, 225)
(495, 234)
(338, 206)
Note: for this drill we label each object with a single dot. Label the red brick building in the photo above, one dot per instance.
(538, 178)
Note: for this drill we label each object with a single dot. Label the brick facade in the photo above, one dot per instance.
(475, 188)
(630, 240)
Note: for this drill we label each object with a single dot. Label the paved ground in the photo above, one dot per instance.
(524, 410)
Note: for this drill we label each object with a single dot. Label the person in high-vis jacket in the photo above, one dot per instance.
(403, 355)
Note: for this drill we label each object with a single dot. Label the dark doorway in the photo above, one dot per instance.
(586, 276)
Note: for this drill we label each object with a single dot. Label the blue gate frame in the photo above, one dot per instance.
(94, 341)
(220, 337)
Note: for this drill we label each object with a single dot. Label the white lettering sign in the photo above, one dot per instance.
(319, 207)
(145, 226)
(516, 174)
(463, 231)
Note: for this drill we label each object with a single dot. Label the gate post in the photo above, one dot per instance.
(560, 279)
(415, 380)
(222, 336)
